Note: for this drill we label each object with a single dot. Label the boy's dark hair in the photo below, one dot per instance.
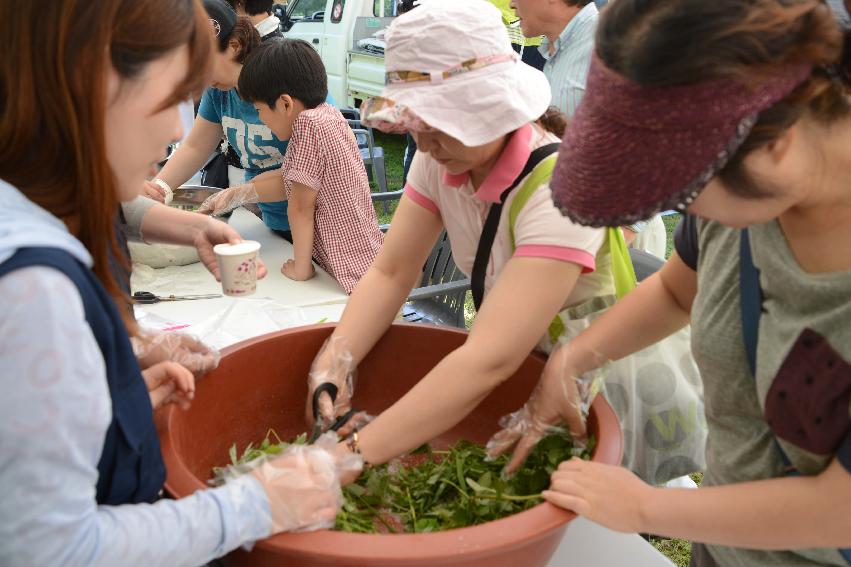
(286, 66)
(254, 7)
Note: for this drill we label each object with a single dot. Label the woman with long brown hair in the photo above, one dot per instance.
(736, 112)
(88, 103)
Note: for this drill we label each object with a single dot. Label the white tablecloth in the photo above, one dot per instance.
(587, 544)
(279, 302)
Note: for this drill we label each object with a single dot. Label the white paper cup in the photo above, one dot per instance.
(238, 267)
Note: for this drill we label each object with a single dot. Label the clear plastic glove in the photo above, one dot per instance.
(559, 398)
(303, 483)
(334, 364)
(229, 199)
(208, 233)
(152, 347)
(358, 421)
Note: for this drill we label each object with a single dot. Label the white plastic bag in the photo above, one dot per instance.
(656, 393)
(653, 239)
(658, 398)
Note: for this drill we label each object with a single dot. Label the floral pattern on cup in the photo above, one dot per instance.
(238, 267)
(245, 279)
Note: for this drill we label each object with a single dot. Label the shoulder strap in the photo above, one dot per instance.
(623, 272)
(543, 172)
(483, 252)
(750, 299)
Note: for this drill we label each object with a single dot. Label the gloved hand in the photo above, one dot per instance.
(303, 483)
(560, 397)
(152, 347)
(357, 421)
(229, 199)
(208, 232)
(334, 364)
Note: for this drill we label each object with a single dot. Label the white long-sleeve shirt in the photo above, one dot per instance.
(55, 409)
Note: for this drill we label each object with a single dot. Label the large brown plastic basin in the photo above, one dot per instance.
(261, 383)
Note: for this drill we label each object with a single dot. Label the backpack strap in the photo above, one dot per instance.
(750, 300)
(750, 306)
(483, 252)
(542, 173)
(622, 270)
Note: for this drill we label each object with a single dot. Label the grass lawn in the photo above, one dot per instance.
(676, 550)
(394, 153)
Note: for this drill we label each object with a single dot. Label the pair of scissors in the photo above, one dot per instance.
(146, 297)
(331, 390)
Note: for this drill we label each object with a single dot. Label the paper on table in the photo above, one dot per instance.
(172, 280)
(247, 318)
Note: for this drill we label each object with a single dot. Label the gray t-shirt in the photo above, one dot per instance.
(802, 395)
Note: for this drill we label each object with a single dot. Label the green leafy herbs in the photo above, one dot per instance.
(432, 490)
(271, 445)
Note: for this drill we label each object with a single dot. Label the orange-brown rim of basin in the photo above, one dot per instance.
(507, 533)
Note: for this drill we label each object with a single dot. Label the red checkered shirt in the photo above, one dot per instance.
(322, 154)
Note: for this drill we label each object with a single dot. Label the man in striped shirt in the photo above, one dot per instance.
(568, 28)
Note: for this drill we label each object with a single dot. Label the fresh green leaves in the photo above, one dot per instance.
(271, 445)
(430, 490)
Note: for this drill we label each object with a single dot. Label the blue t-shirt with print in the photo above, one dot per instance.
(258, 148)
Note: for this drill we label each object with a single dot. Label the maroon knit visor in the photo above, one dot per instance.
(633, 151)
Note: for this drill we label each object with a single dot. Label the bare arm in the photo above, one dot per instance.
(514, 316)
(270, 186)
(757, 514)
(192, 153)
(300, 212)
(779, 513)
(385, 286)
(374, 304)
(660, 306)
(167, 224)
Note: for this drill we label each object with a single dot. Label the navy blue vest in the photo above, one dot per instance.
(131, 469)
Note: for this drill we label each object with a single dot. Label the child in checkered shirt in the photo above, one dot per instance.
(330, 210)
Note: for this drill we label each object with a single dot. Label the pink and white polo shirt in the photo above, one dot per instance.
(323, 155)
(540, 230)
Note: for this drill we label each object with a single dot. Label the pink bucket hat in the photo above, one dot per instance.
(632, 151)
(450, 67)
